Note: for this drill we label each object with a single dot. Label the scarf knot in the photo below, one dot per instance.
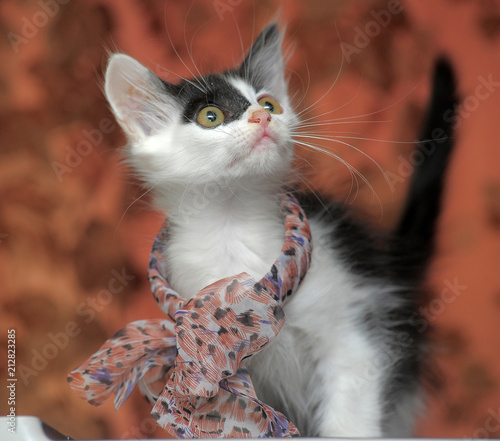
(200, 349)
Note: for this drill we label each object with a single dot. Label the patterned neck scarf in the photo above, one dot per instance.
(199, 349)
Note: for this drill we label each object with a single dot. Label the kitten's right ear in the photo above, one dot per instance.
(137, 96)
(264, 65)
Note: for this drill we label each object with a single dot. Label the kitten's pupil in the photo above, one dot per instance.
(211, 116)
(268, 106)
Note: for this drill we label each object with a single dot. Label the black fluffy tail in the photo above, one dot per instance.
(418, 221)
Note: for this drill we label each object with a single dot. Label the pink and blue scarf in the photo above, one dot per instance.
(191, 365)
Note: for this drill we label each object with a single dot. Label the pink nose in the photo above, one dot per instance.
(260, 116)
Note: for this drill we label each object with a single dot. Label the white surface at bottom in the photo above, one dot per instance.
(30, 428)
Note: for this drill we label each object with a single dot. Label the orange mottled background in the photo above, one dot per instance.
(76, 230)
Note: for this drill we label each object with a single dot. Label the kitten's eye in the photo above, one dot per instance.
(210, 117)
(270, 104)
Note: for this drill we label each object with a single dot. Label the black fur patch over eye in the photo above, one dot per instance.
(213, 90)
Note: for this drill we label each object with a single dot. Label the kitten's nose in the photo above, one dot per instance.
(260, 116)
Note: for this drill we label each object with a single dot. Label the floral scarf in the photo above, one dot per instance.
(191, 365)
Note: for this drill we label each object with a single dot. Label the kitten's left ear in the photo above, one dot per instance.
(264, 65)
(138, 98)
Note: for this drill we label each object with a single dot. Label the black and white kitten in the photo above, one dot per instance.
(217, 152)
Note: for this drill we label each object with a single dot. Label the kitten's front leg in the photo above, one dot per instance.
(351, 384)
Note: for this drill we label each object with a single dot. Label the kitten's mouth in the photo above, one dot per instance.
(263, 140)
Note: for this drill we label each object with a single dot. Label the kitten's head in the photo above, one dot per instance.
(234, 125)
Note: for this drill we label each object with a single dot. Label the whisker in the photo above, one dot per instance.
(360, 138)
(197, 80)
(190, 47)
(383, 109)
(310, 187)
(329, 89)
(328, 132)
(240, 38)
(322, 138)
(246, 73)
(344, 162)
(306, 91)
(343, 105)
(187, 80)
(335, 122)
(385, 140)
(354, 173)
(132, 203)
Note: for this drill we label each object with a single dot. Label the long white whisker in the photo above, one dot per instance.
(329, 89)
(306, 91)
(322, 138)
(311, 190)
(344, 162)
(383, 109)
(132, 203)
(190, 47)
(240, 38)
(360, 138)
(178, 55)
(246, 73)
(328, 132)
(335, 122)
(353, 171)
(355, 174)
(343, 105)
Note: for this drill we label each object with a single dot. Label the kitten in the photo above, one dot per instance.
(217, 152)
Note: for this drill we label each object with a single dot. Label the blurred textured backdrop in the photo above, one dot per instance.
(75, 232)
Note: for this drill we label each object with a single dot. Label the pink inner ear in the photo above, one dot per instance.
(134, 109)
(133, 103)
(130, 109)
(130, 89)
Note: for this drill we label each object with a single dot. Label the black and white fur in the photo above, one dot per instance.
(348, 359)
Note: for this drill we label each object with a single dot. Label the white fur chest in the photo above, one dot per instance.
(207, 249)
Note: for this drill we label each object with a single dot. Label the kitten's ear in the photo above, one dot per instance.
(138, 98)
(264, 65)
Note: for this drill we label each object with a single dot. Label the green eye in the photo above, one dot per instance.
(210, 116)
(270, 104)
